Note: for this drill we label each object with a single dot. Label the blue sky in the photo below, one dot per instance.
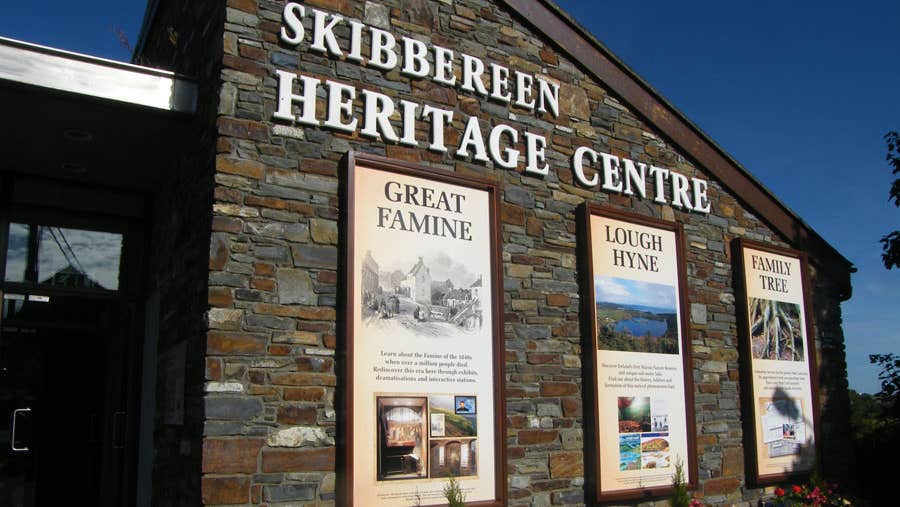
(611, 289)
(87, 27)
(800, 93)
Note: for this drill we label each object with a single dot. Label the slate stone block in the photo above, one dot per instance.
(233, 408)
(289, 492)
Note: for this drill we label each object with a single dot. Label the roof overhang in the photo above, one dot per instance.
(64, 71)
(584, 49)
(72, 120)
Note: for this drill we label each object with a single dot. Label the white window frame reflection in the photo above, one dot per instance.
(61, 257)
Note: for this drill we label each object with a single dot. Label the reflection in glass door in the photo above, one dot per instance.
(56, 399)
(63, 257)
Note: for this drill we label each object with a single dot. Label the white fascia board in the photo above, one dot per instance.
(35, 65)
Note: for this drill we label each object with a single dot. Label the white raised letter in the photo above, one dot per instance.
(415, 62)
(659, 174)
(611, 179)
(383, 55)
(472, 69)
(292, 14)
(472, 137)
(523, 90)
(409, 123)
(637, 175)
(512, 155)
(286, 97)
(500, 83)
(534, 154)
(549, 96)
(680, 191)
(443, 66)
(378, 110)
(323, 33)
(439, 117)
(356, 29)
(578, 165)
(338, 106)
(701, 201)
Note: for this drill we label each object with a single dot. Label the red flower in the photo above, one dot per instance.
(796, 489)
(779, 492)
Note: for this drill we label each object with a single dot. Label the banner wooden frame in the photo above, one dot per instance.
(592, 447)
(352, 162)
(754, 477)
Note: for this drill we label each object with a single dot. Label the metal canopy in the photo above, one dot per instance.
(31, 64)
(73, 122)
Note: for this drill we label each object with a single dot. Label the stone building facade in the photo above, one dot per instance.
(267, 395)
(246, 241)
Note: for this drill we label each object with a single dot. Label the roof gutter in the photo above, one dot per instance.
(149, 17)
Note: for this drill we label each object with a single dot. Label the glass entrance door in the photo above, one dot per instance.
(59, 402)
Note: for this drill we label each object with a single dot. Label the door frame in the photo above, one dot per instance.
(119, 475)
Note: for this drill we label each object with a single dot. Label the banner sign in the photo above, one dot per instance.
(778, 359)
(309, 100)
(424, 336)
(638, 353)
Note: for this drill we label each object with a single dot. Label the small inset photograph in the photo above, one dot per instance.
(630, 451)
(781, 448)
(402, 437)
(438, 425)
(788, 432)
(634, 414)
(659, 415)
(655, 451)
(782, 424)
(636, 316)
(456, 424)
(465, 405)
(775, 330)
(454, 457)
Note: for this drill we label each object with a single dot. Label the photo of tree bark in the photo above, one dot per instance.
(775, 330)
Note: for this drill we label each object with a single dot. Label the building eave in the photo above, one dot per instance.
(595, 58)
(146, 24)
(23, 63)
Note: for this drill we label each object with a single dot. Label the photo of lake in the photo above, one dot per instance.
(636, 316)
(641, 326)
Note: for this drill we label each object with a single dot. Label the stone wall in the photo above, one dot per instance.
(271, 420)
(833, 387)
(186, 37)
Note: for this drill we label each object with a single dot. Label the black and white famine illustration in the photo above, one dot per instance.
(429, 295)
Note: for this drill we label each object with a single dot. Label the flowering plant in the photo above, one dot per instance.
(680, 496)
(815, 494)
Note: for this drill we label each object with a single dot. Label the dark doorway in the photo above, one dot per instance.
(62, 394)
